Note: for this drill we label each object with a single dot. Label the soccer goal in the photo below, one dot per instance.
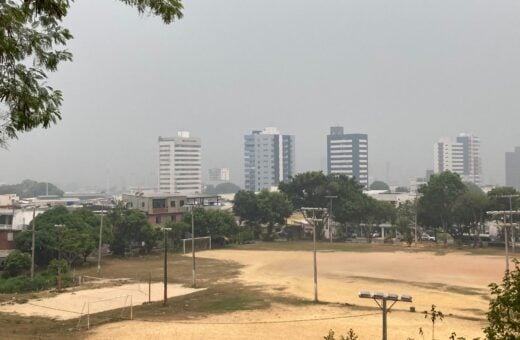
(99, 311)
(201, 243)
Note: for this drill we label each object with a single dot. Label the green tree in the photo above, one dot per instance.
(405, 220)
(438, 199)
(212, 222)
(402, 189)
(469, 213)
(75, 240)
(245, 206)
(16, 263)
(499, 203)
(131, 229)
(30, 188)
(226, 188)
(504, 308)
(273, 209)
(32, 42)
(379, 185)
(311, 189)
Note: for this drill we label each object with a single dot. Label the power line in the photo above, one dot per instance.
(259, 322)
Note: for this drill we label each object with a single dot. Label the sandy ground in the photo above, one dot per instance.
(456, 283)
(70, 305)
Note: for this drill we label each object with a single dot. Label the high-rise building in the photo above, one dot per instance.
(348, 154)
(513, 168)
(218, 175)
(461, 157)
(180, 164)
(268, 158)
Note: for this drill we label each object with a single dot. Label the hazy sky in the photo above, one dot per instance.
(406, 72)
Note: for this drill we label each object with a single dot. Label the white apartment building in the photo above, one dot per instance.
(268, 159)
(461, 157)
(180, 164)
(348, 154)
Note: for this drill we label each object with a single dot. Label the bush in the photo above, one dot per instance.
(16, 263)
(52, 268)
(24, 284)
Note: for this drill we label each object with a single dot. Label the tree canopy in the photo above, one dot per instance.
(379, 185)
(74, 240)
(33, 42)
(439, 196)
(222, 188)
(30, 188)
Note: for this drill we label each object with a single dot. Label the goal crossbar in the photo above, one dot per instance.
(187, 240)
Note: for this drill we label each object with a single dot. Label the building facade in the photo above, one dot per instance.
(180, 164)
(218, 175)
(348, 154)
(461, 157)
(158, 207)
(268, 159)
(513, 168)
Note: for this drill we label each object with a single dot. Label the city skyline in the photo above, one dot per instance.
(204, 74)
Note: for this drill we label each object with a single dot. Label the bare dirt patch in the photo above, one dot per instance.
(456, 282)
(72, 304)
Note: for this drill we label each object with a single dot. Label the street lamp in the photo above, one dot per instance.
(377, 296)
(165, 266)
(59, 226)
(330, 215)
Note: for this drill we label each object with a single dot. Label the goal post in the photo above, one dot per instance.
(201, 243)
(115, 308)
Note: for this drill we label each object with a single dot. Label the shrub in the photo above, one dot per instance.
(52, 268)
(16, 263)
(23, 284)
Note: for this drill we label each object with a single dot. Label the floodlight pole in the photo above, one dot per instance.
(384, 306)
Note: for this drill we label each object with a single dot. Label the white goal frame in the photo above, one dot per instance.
(85, 310)
(195, 238)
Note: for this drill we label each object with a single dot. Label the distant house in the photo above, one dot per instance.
(163, 207)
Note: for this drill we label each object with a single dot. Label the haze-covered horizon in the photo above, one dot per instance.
(406, 73)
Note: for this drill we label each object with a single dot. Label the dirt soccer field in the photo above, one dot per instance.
(456, 283)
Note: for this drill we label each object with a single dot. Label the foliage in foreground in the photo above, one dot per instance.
(32, 42)
(351, 335)
(504, 307)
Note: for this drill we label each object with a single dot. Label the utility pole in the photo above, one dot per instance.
(59, 226)
(165, 266)
(330, 215)
(506, 239)
(33, 241)
(100, 241)
(193, 273)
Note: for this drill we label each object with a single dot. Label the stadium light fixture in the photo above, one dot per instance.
(378, 296)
